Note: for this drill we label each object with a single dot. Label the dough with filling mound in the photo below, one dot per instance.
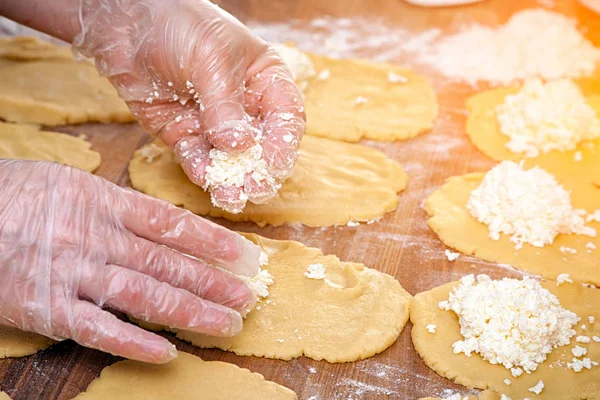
(43, 84)
(333, 183)
(393, 111)
(353, 313)
(485, 395)
(559, 382)
(17, 343)
(484, 131)
(456, 228)
(30, 143)
(186, 377)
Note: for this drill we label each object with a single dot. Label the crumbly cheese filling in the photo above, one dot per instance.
(299, 64)
(529, 205)
(315, 271)
(515, 323)
(545, 117)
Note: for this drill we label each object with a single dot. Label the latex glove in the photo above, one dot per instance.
(194, 75)
(71, 242)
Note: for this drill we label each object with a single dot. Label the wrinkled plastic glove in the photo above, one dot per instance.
(71, 242)
(194, 75)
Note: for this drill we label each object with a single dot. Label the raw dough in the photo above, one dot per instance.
(30, 143)
(455, 226)
(41, 83)
(186, 377)
(393, 111)
(17, 343)
(4, 396)
(560, 382)
(485, 395)
(358, 314)
(441, 3)
(484, 131)
(333, 183)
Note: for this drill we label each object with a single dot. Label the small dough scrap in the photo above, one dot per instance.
(484, 131)
(43, 84)
(560, 382)
(17, 343)
(456, 228)
(358, 101)
(28, 142)
(355, 313)
(186, 377)
(333, 183)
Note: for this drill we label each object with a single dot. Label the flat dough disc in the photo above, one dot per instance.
(4, 396)
(452, 222)
(560, 382)
(394, 111)
(186, 377)
(484, 131)
(361, 317)
(42, 84)
(30, 143)
(17, 343)
(333, 183)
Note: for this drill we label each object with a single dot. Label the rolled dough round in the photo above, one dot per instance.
(186, 377)
(452, 222)
(333, 183)
(559, 382)
(17, 343)
(391, 110)
(358, 314)
(30, 143)
(484, 131)
(43, 84)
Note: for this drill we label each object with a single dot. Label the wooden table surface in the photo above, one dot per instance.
(400, 244)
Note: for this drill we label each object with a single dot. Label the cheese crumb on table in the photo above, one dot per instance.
(545, 117)
(515, 323)
(451, 255)
(431, 328)
(537, 389)
(562, 279)
(529, 205)
(315, 271)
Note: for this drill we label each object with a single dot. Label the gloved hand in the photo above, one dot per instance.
(194, 75)
(71, 242)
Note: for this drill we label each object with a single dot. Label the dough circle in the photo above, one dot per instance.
(456, 228)
(17, 343)
(43, 84)
(359, 314)
(560, 382)
(484, 131)
(393, 111)
(30, 143)
(186, 377)
(333, 183)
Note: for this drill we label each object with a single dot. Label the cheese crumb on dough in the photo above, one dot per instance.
(596, 339)
(151, 153)
(260, 283)
(324, 75)
(507, 381)
(300, 65)
(529, 205)
(451, 255)
(545, 117)
(583, 339)
(579, 351)
(396, 78)
(431, 328)
(537, 389)
(562, 279)
(516, 51)
(592, 319)
(360, 100)
(578, 365)
(515, 323)
(315, 271)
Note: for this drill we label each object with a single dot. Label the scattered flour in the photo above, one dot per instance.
(545, 117)
(515, 51)
(515, 323)
(315, 271)
(528, 205)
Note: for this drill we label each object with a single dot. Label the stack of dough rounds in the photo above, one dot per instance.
(359, 100)
(352, 314)
(186, 377)
(484, 131)
(16, 343)
(333, 183)
(456, 228)
(30, 143)
(43, 84)
(559, 381)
